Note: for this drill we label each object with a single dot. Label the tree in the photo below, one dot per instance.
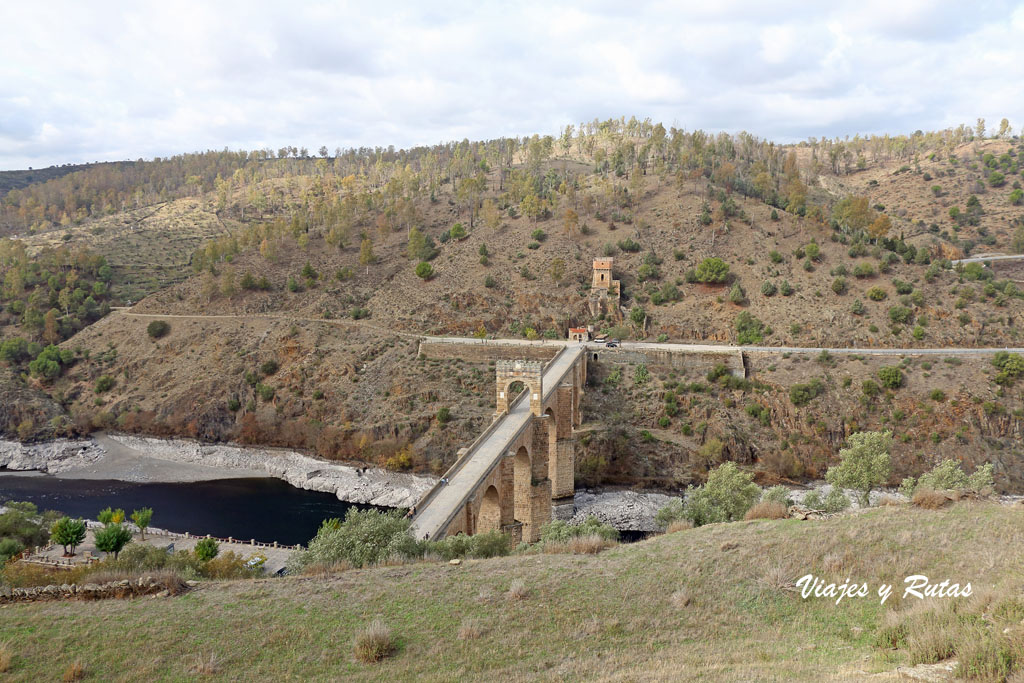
(112, 538)
(206, 549)
(110, 516)
(557, 269)
(424, 270)
(572, 222)
(880, 227)
(69, 533)
(142, 518)
(51, 333)
(1005, 128)
(366, 255)
(864, 464)
(725, 497)
(490, 214)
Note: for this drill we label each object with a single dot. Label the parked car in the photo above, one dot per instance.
(612, 343)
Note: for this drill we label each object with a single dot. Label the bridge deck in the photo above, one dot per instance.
(441, 508)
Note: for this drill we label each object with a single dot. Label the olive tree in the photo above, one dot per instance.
(864, 464)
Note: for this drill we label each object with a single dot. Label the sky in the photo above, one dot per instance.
(101, 81)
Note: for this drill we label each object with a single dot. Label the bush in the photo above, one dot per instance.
(269, 367)
(937, 395)
(785, 289)
(863, 270)
(891, 376)
(725, 497)
(712, 270)
(444, 415)
(768, 509)
(864, 464)
(558, 531)
(813, 251)
(206, 549)
(366, 537)
(900, 315)
(737, 295)
(775, 256)
(769, 288)
(877, 294)
(373, 643)
(157, 329)
(948, 476)
(749, 330)
(104, 384)
(424, 270)
(482, 546)
(673, 512)
(802, 394)
(839, 285)
(857, 307)
(777, 494)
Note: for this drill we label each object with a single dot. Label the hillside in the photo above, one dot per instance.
(310, 263)
(717, 602)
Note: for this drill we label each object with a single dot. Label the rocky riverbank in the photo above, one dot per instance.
(141, 459)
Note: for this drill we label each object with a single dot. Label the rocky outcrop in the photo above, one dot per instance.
(51, 456)
(352, 484)
(624, 510)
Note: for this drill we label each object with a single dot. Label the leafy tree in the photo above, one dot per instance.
(725, 497)
(457, 231)
(864, 464)
(206, 549)
(557, 269)
(637, 315)
(69, 533)
(366, 255)
(737, 295)
(880, 227)
(424, 270)
(110, 516)
(142, 518)
(112, 538)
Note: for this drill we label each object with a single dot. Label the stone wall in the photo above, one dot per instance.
(482, 353)
(678, 360)
(147, 585)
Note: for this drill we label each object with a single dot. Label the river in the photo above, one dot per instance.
(264, 508)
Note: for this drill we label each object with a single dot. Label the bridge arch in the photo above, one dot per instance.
(522, 479)
(489, 518)
(530, 373)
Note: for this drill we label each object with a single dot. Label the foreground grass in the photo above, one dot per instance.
(711, 602)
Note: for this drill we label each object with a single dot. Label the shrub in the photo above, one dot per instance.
(489, 282)
(749, 330)
(373, 643)
(777, 494)
(364, 538)
(673, 512)
(863, 270)
(206, 549)
(891, 376)
(158, 328)
(558, 531)
(737, 295)
(725, 497)
(937, 395)
(424, 270)
(484, 545)
(813, 251)
(876, 294)
(900, 315)
(948, 476)
(768, 509)
(839, 285)
(104, 384)
(444, 415)
(269, 367)
(785, 289)
(857, 307)
(711, 270)
(769, 288)
(864, 464)
(802, 394)
(775, 256)
(835, 501)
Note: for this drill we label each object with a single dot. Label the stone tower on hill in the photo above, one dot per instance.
(604, 291)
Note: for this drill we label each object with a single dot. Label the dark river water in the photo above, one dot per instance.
(264, 509)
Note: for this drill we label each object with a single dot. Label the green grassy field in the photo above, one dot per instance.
(715, 603)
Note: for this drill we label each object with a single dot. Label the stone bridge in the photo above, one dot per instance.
(510, 476)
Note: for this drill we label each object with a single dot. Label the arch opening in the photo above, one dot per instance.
(522, 478)
(489, 518)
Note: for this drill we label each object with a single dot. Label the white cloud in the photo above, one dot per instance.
(96, 81)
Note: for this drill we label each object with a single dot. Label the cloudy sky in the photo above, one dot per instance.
(88, 81)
